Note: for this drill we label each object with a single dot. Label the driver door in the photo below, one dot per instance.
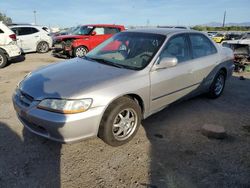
(173, 83)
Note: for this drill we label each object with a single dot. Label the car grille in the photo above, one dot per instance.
(24, 99)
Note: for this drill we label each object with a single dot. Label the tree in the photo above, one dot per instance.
(5, 19)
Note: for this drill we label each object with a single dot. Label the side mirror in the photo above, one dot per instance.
(93, 33)
(166, 62)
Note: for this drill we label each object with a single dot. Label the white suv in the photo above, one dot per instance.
(33, 38)
(8, 45)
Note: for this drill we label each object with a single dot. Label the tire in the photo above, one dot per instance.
(217, 85)
(116, 131)
(42, 47)
(80, 51)
(3, 60)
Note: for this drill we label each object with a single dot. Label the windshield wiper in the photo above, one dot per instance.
(106, 62)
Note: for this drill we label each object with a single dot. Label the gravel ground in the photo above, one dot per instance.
(168, 150)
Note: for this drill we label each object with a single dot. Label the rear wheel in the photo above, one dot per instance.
(120, 122)
(80, 51)
(42, 47)
(218, 85)
(3, 60)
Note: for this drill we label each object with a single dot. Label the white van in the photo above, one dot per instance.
(8, 45)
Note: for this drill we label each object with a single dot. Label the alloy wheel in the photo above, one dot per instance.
(124, 124)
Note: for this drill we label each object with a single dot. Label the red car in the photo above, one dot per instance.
(83, 39)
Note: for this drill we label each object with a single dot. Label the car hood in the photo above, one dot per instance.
(70, 79)
(63, 37)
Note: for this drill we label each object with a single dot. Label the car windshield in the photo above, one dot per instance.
(82, 30)
(131, 50)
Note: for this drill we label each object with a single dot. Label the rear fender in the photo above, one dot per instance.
(4, 51)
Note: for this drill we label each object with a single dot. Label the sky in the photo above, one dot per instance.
(66, 13)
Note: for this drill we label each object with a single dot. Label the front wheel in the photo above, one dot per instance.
(80, 51)
(3, 60)
(218, 85)
(42, 47)
(120, 122)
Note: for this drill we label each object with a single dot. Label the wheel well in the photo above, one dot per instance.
(42, 41)
(138, 100)
(224, 70)
(4, 52)
(82, 46)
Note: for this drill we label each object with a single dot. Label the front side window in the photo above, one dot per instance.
(99, 30)
(131, 50)
(177, 47)
(201, 46)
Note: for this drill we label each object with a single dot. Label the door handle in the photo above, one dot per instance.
(36, 36)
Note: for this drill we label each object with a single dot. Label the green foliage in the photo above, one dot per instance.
(227, 28)
(5, 19)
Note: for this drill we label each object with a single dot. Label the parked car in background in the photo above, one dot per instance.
(8, 46)
(218, 38)
(212, 33)
(130, 76)
(83, 39)
(173, 27)
(241, 49)
(32, 38)
(64, 32)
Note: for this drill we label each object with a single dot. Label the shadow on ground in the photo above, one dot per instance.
(18, 59)
(182, 157)
(28, 162)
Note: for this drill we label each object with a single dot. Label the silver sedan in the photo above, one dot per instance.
(127, 78)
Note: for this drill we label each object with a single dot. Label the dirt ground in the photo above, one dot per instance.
(168, 150)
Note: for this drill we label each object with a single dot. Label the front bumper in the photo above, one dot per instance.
(62, 50)
(59, 127)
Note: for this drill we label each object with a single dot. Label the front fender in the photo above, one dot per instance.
(81, 42)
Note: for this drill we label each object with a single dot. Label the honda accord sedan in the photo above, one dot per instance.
(127, 78)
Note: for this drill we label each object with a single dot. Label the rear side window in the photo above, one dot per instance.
(1, 31)
(26, 31)
(201, 46)
(177, 47)
(111, 30)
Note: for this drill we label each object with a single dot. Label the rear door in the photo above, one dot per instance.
(110, 31)
(205, 58)
(170, 84)
(27, 38)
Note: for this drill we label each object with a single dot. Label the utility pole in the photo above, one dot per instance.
(34, 16)
(224, 19)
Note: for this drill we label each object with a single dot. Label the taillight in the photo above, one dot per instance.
(13, 37)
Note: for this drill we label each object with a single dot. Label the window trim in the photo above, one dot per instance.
(30, 28)
(191, 49)
(186, 40)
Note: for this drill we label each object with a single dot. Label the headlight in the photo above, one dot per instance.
(65, 106)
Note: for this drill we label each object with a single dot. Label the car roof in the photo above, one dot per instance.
(103, 25)
(162, 31)
(15, 26)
